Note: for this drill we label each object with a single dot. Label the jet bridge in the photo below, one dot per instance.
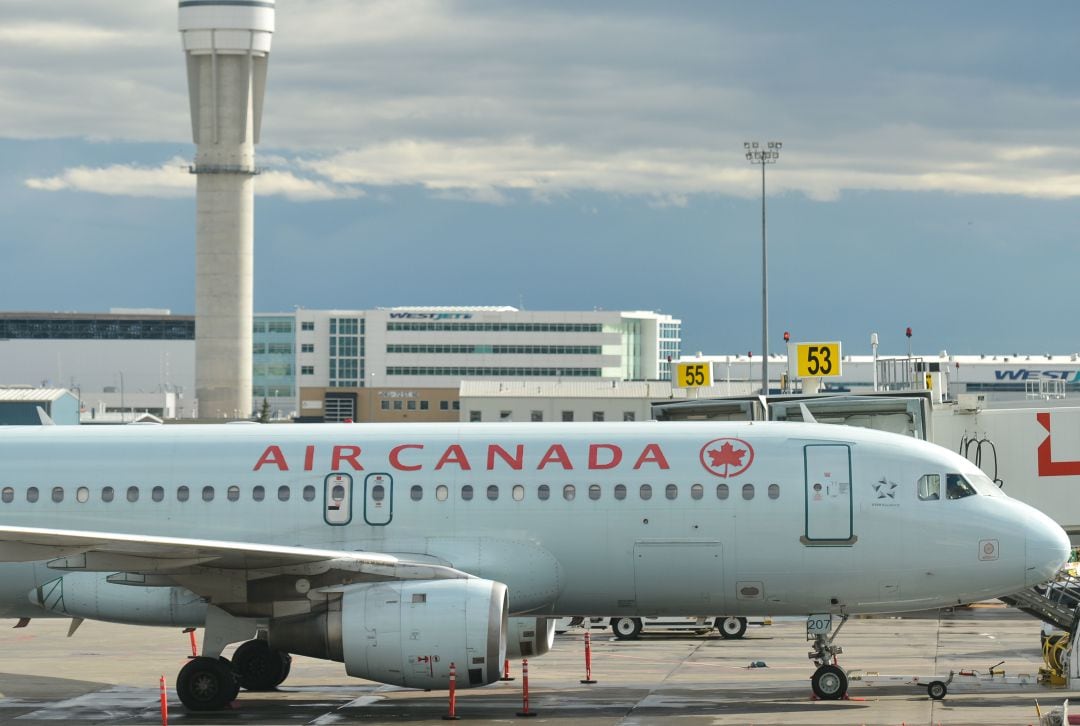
(905, 413)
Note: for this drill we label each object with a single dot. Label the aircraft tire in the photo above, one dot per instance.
(206, 684)
(626, 628)
(829, 682)
(258, 667)
(731, 627)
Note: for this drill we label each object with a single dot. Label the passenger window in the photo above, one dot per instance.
(442, 492)
(721, 491)
(208, 494)
(620, 491)
(8, 495)
(233, 493)
(929, 487)
(671, 491)
(283, 493)
(956, 487)
(697, 491)
(182, 494)
(82, 495)
(157, 494)
(58, 494)
(309, 493)
(133, 494)
(107, 494)
(594, 491)
(378, 493)
(748, 492)
(32, 494)
(492, 492)
(645, 491)
(518, 492)
(466, 492)
(774, 491)
(416, 493)
(338, 493)
(543, 492)
(569, 492)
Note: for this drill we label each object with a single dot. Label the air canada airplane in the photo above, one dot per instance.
(400, 549)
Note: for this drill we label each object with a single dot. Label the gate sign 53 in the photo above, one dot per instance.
(818, 360)
(693, 375)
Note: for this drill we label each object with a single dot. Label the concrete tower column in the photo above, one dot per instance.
(227, 45)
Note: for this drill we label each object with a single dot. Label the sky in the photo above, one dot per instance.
(563, 155)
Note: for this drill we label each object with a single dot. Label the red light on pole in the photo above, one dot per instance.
(787, 337)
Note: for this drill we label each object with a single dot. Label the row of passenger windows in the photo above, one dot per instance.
(594, 491)
(157, 494)
(378, 493)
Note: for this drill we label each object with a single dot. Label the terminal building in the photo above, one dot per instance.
(408, 363)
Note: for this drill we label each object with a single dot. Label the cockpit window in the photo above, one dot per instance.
(984, 485)
(929, 487)
(956, 487)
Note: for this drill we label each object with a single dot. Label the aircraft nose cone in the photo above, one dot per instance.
(1048, 549)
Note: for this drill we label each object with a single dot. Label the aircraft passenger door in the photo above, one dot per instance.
(829, 502)
(378, 499)
(337, 499)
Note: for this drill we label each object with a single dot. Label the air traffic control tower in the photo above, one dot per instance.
(227, 46)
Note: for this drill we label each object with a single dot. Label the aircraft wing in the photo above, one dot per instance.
(65, 549)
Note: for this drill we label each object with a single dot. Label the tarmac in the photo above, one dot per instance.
(109, 674)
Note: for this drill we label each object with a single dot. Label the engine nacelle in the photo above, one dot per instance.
(407, 633)
(90, 595)
(529, 637)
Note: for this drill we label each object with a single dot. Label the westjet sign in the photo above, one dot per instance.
(1031, 374)
(431, 316)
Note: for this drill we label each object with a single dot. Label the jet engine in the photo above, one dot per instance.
(529, 637)
(92, 596)
(407, 633)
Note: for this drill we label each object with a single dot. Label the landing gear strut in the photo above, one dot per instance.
(829, 681)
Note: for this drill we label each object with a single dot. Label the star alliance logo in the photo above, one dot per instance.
(885, 489)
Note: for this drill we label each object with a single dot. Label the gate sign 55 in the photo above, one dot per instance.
(818, 360)
(693, 375)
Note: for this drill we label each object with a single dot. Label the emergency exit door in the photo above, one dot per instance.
(829, 501)
(378, 499)
(337, 499)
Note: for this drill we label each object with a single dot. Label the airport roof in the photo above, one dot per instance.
(31, 395)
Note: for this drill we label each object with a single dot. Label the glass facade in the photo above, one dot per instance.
(346, 347)
(273, 373)
(670, 345)
(96, 327)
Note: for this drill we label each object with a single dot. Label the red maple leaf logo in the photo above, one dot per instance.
(726, 457)
(727, 460)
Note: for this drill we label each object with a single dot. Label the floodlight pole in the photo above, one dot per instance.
(768, 155)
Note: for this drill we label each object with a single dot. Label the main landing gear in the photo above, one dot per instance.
(210, 684)
(829, 681)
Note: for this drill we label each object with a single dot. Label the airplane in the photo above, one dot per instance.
(402, 549)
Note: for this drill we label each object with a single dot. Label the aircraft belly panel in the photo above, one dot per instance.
(678, 577)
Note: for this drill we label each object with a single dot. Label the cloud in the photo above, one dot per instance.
(480, 100)
(173, 179)
(169, 180)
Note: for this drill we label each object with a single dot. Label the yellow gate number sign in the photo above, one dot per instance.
(693, 375)
(818, 360)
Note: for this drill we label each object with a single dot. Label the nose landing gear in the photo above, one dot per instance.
(829, 681)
